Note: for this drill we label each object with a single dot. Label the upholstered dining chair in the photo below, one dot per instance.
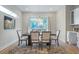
(46, 38)
(21, 38)
(34, 37)
(56, 37)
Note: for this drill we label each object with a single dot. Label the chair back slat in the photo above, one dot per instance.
(34, 35)
(46, 35)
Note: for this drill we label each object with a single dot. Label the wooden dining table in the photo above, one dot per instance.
(29, 38)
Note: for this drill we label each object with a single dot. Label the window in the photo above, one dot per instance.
(38, 23)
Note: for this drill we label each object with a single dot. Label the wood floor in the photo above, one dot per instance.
(65, 49)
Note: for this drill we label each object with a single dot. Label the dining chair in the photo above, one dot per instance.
(46, 38)
(34, 37)
(21, 38)
(72, 38)
(56, 37)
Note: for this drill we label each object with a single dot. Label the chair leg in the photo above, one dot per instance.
(26, 42)
(41, 46)
(31, 46)
(49, 46)
(57, 42)
(21, 42)
(18, 43)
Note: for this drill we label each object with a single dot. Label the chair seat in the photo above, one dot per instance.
(53, 37)
(24, 38)
(45, 41)
(35, 41)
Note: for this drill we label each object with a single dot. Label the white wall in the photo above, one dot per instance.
(7, 37)
(61, 24)
(51, 19)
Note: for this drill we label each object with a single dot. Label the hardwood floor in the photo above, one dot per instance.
(71, 49)
(62, 49)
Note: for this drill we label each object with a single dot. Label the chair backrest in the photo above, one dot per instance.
(34, 35)
(19, 33)
(46, 35)
(57, 33)
(72, 37)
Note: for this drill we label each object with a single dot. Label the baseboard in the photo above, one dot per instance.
(8, 45)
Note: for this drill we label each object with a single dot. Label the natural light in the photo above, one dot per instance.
(3, 9)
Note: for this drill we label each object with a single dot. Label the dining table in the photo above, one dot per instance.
(29, 37)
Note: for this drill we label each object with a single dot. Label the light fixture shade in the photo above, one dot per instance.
(4, 10)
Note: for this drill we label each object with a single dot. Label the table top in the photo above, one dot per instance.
(25, 34)
(53, 34)
(40, 34)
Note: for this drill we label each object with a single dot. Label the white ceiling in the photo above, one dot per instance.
(39, 8)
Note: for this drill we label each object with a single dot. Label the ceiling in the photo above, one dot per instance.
(39, 8)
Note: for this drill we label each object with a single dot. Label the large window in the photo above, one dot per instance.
(38, 23)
